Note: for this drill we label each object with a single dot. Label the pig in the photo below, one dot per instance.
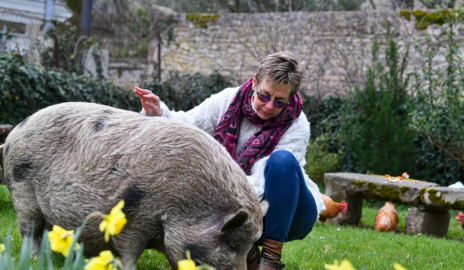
(182, 189)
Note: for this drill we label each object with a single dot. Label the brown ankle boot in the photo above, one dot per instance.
(253, 257)
(270, 255)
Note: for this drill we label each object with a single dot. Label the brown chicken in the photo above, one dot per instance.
(333, 208)
(386, 219)
(460, 218)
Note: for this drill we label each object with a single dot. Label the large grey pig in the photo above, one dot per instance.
(181, 188)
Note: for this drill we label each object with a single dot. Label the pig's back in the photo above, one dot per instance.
(80, 157)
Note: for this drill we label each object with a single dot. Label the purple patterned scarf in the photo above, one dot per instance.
(263, 142)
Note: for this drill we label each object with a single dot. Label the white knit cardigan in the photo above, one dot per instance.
(207, 115)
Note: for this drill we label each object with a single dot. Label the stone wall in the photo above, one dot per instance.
(334, 46)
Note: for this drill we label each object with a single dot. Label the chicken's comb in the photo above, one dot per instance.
(460, 216)
(343, 207)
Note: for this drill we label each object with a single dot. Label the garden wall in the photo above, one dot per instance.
(335, 46)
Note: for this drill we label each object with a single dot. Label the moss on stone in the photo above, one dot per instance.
(422, 194)
(372, 187)
(405, 189)
(389, 192)
(439, 200)
(433, 195)
(405, 14)
(358, 184)
(201, 20)
(458, 204)
(424, 18)
(434, 198)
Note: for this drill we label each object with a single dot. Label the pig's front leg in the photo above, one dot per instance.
(130, 246)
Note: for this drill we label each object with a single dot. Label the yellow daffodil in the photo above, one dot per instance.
(187, 264)
(344, 265)
(113, 223)
(102, 262)
(398, 266)
(61, 240)
(2, 247)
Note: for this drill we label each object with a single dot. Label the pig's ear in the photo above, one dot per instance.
(234, 221)
(264, 207)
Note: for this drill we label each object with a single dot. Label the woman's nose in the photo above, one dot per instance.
(270, 104)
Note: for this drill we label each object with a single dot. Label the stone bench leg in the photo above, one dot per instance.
(353, 214)
(424, 221)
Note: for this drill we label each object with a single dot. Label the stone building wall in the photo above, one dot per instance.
(335, 47)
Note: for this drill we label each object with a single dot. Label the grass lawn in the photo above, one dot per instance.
(363, 246)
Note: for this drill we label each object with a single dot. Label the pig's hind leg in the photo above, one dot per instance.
(31, 220)
(32, 225)
(21, 170)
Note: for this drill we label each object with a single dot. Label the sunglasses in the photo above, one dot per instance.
(265, 98)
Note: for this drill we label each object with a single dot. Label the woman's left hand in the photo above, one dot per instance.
(150, 102)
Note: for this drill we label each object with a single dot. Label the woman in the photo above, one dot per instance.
(263, 128)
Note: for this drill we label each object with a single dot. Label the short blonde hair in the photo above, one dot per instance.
(281, 68)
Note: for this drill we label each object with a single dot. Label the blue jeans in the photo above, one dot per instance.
(292, 209)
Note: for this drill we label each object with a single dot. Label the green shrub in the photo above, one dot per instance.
(324, 151)
(27, 88)
(431, 163)
(325, 118)
(320, 161)
(440, 104)
(375, 121)
(435, 165)
(183, 92)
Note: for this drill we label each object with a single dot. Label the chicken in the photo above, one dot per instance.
(386, 219)
(333, 208)
(460, 218)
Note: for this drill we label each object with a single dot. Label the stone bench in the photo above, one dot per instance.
(430, 203)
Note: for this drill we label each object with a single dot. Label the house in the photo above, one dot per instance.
(22, 21)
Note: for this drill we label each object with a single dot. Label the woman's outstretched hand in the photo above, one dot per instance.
(150, 102)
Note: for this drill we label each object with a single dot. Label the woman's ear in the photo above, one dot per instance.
(254, 82)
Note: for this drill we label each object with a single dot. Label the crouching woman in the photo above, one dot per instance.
(262, 126)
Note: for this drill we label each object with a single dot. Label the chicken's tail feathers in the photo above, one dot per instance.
(343, 207)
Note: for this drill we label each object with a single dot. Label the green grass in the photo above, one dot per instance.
(363, 246)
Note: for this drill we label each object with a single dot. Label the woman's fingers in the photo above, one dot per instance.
(138, 93)
(152, 98)
(149, 107)
(139, 90)
(150, 102)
